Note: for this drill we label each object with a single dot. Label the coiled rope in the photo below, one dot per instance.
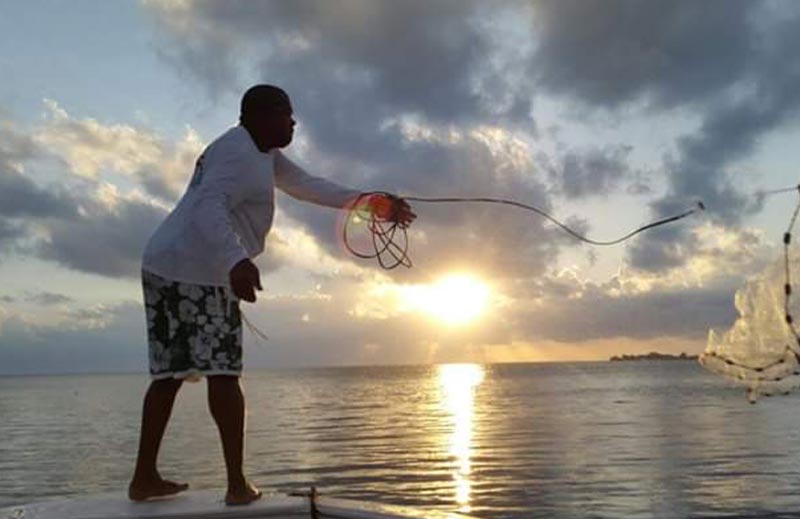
(390, 238)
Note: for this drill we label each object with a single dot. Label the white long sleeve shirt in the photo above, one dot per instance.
(227, 210)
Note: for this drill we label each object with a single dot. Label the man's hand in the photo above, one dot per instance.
(392, 208)
(245, 280)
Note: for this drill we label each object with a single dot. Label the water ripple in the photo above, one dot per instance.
(500, 441)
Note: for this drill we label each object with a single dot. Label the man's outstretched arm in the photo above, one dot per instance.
(296, 182)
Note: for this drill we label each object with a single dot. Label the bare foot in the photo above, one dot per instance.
(145, 490)
(242, 496)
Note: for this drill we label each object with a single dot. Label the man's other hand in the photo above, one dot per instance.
(245, 280)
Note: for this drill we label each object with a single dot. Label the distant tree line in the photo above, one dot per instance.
(653, 355)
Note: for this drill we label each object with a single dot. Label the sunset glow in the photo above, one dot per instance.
(455, 299)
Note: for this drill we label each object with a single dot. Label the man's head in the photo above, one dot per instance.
(266, 112)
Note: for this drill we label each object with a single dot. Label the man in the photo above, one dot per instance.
(196, 267)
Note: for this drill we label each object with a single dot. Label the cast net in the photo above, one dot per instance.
(762, 348)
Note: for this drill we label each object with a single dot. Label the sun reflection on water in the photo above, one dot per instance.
(458, 382)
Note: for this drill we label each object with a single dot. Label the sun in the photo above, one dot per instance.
(455, 299)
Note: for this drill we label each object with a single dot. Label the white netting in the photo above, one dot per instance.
(760, 349)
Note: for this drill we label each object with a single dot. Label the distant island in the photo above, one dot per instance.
(653, 355)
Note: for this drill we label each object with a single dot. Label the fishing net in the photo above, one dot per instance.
(762, 348)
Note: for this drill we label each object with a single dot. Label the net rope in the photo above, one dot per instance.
(390, 243)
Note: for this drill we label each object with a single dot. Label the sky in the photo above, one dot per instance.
(607, 114)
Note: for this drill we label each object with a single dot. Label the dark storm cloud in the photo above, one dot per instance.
(353, 68)
(19, 195)
(22, 201)
(596, 171)
(413, 56)
(667, 52)
(104, 240)
(10, 232)
(731, 131)
(91, 237)
(731, 62)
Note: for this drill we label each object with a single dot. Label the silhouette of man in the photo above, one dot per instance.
(198, 265)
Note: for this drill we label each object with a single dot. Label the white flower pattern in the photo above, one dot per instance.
(187, 310)
(191, 328)
(193, 292)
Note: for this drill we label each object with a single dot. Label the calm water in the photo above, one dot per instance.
(660, 439)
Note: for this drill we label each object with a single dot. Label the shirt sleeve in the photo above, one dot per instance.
(222, 186)
(294, 181)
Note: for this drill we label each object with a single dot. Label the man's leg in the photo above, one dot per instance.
(158, 401)
(226, 403)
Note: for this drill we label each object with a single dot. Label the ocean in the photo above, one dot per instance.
(608, 439)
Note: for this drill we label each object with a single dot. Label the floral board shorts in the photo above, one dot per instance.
(192, 330)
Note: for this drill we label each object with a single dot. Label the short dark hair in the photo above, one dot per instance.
(262, 98)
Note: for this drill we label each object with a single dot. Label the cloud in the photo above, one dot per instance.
(77, 344)
(46, 298)
(304, 329)
(10, 233)
(665, 53)
(90, 148)
(85, 223)
(442, 161)
(23, 201)
(107, 238)
(410, 57)
(15, 146)
(723, 62)
(681, 301)
(41, 298)
(363, 76)
(19, 195)
(677, 313)
(332, 325)
(592, 172)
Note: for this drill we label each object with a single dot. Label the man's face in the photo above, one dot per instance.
(278, 126)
